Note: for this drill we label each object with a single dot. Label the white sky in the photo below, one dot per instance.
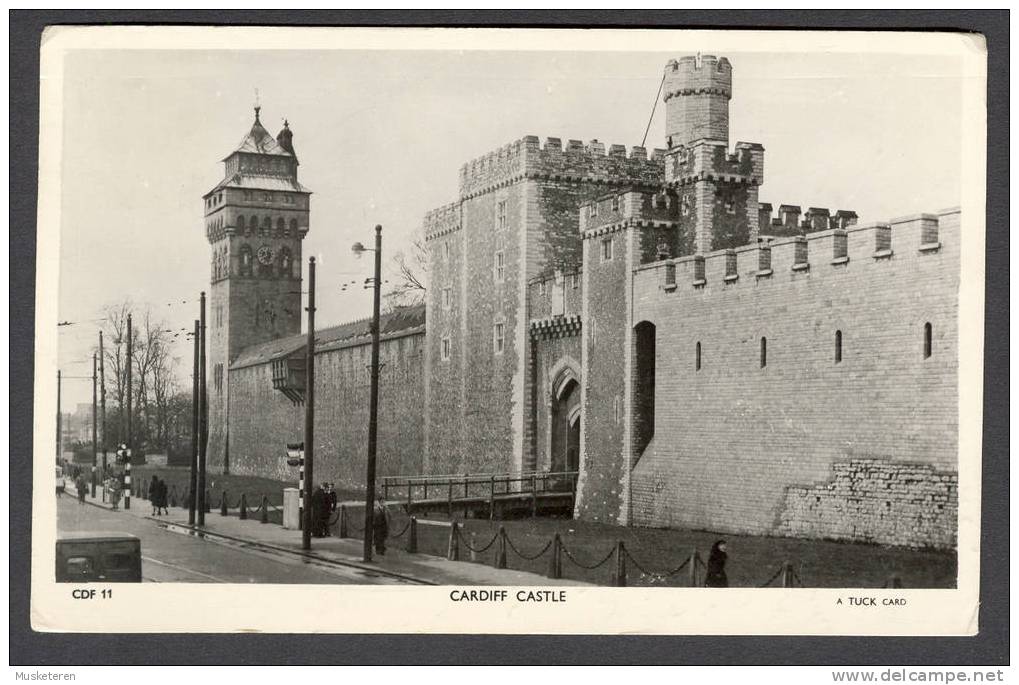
(381, 136)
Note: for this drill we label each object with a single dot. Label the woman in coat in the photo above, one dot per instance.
(716, 566)
(154, 494)
(380, 525)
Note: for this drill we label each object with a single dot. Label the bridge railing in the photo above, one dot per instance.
(476, 486)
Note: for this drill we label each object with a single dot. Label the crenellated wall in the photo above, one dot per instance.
(748, 432)
(577, 162)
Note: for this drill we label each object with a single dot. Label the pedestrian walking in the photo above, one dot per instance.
(154, 494)
(715, 576)
(80, 485)
(115, 492)
(164, 498)
(318, 509)
(331, 497)
(380, 525)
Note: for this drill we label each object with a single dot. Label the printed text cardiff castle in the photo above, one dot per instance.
(702, 359)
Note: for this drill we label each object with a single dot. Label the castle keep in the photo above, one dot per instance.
(639, 317)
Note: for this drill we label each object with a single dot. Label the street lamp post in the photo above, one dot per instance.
(308, 478)
(373, 416)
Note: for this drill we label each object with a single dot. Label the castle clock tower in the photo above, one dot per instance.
(255, 220)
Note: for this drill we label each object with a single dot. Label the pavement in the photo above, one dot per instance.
(272, 538)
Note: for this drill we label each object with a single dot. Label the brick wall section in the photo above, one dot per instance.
(262, 420)
(878, 501)
(732, 438)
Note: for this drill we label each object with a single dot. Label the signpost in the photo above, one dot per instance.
(295, 457)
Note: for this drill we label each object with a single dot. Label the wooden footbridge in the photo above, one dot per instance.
(493, 496)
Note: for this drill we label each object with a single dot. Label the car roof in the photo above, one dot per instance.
(94, 536)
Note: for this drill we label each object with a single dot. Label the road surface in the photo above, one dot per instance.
(172, 555)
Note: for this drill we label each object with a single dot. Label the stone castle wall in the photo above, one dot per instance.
(263, 420)
(861, 449)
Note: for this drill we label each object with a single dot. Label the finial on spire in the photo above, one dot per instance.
(258, 106)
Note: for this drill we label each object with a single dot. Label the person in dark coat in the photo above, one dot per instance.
(380, 525)
(163, 496)
(332, 497)
(327, 509)
(318, 505)
(154, 494)
(716, 566)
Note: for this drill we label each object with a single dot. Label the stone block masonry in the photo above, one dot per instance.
(770, 379)
(876, 500)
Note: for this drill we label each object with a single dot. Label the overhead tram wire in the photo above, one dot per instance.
(654, 106)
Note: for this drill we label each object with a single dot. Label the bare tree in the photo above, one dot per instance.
(411, 276)
(154, 371)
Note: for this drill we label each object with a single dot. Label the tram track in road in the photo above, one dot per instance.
(287, 556)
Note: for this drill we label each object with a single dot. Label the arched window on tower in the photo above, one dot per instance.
(293, 225)
(285, 263)
(246, 260)
(266, 224)
(240, 223)
(280, 224)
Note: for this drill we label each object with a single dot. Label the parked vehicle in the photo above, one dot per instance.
(88, 557)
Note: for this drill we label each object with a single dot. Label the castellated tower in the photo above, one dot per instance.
(697, 92)
(717, 189)
(255, 220)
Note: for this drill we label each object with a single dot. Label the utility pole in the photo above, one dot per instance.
(373, 409)
(130, 436)
(102, 396)
(95, 419)
(95, 434)
(60, 432)
(309, 411)
(193, 491)
(203, 415)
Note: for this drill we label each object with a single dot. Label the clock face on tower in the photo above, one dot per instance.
(265, 255)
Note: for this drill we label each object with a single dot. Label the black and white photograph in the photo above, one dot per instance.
(672, 332)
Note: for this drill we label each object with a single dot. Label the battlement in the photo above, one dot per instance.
(442, 220)
(629, 205)
(710, 160)
(698, 74)
(788, 221)
(817, 252)
(528, 158)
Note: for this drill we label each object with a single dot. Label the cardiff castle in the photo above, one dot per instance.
(697, 356)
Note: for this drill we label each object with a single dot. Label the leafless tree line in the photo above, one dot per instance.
(159, 405)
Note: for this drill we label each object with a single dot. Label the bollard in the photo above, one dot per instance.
(243, 515)
(343, 521)
(894, 582)
(222, 506)
(473, 546)
(265, 510)
(208, 502)
(93, 482)
(412, 536)
(555, 564)
(453, 551)
(620, 577)
(787, 574)
(694, 557)
(500, 550)
(534, 496)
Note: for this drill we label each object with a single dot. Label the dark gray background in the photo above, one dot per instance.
(989, 647)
